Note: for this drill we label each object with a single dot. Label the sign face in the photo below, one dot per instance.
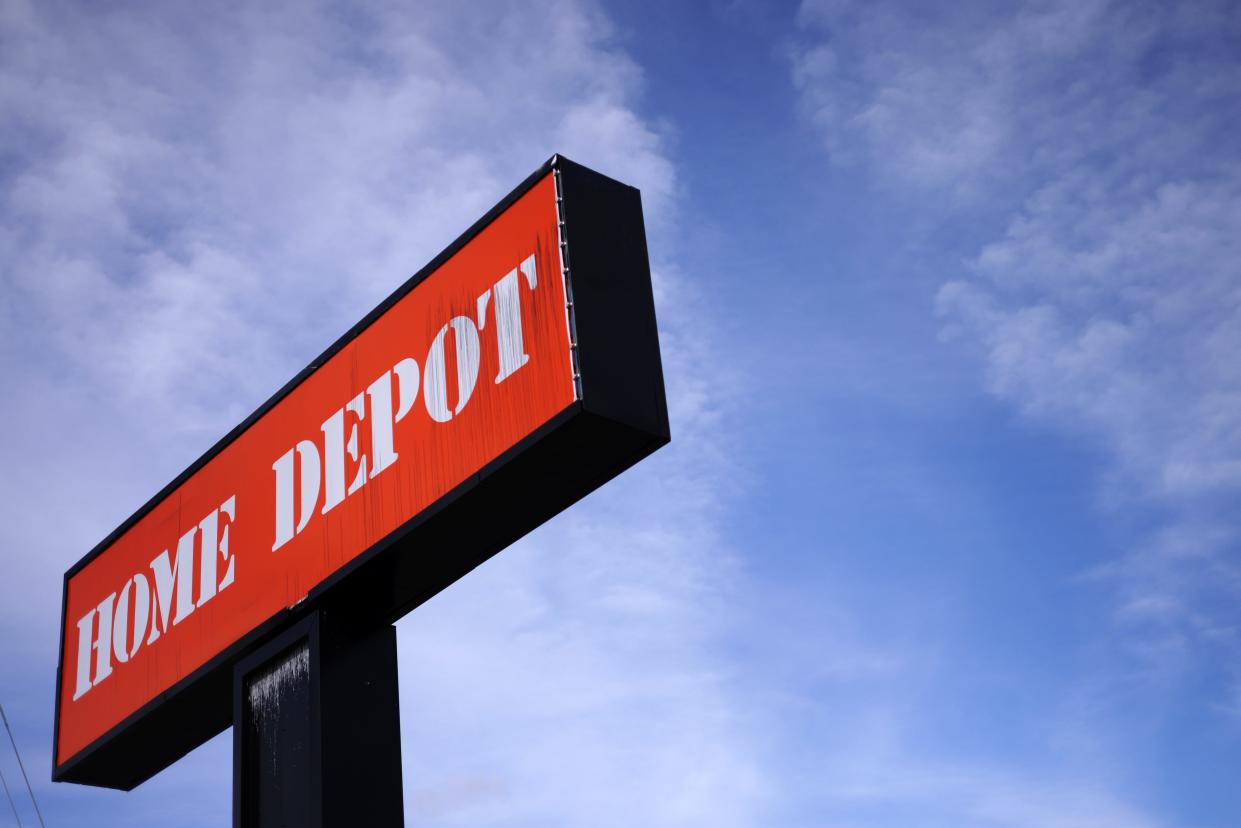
(466, 374)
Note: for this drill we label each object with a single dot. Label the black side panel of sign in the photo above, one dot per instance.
(618, 344)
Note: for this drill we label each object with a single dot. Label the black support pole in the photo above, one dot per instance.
(316, 729)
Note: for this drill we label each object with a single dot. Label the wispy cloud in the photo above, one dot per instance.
(1076, 166)
(899, 792)
(1084, 154)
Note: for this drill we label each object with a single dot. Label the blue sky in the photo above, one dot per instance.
(950, 308)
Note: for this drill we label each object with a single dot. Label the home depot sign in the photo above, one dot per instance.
(507, 379)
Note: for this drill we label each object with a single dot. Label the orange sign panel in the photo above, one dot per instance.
(471, 360)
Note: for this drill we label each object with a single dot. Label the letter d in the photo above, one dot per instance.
(308, 454)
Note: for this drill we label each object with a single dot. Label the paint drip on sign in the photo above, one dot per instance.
(266, 689)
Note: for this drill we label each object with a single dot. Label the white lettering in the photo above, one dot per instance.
(407, 386)
(100, 643)
(175, 578)
(86, 625)
(118, 626)
(214, 546)
(308, 461)
(334, 449)
(228, 507)
(382, 452)
(140, 590)
(509, 341)
(435, 388)
(345, 464)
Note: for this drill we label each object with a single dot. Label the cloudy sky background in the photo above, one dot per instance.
(950, 307)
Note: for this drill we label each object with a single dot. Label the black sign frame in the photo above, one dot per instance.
(621, 417)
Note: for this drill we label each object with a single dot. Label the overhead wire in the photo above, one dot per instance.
(9, 797)
(21, 765)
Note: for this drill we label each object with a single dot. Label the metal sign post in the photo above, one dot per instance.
(316, 728)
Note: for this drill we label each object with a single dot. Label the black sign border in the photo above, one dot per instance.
(621, 416)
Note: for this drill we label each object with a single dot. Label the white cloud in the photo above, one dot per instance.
(898, 792)
(181, 188)
(1082, 152)
(195, 202)
(1076, 163)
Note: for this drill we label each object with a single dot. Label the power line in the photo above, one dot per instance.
(21, 765)
(9, 797)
